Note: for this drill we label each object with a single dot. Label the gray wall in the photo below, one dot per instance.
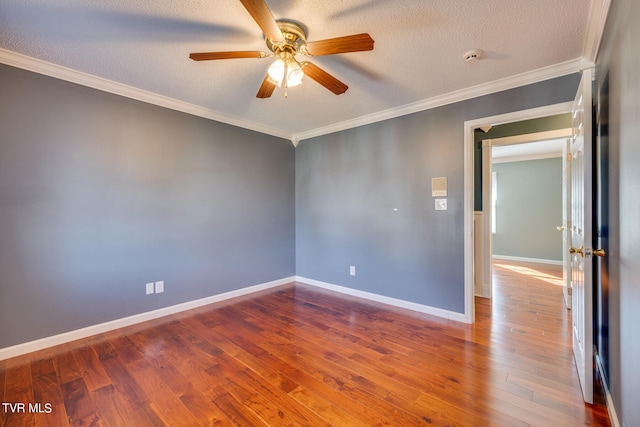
(348, 184)
(619, 60)
(529, 209)
(100, 194)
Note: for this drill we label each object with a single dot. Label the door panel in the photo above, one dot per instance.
(566, 222)
(581, 236)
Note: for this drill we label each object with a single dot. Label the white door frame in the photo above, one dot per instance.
(469, 149)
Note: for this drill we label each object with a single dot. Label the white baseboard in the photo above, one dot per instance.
(28, 347)
(523, 259)
(613, 416)
(451, 315)
(483, 291)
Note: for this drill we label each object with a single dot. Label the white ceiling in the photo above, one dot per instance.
(140, 48)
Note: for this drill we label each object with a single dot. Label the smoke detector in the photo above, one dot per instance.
(472, 55)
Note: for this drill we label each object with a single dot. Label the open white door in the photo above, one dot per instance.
(565, 228)
(581, 250)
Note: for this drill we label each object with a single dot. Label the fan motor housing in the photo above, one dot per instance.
(295, 36)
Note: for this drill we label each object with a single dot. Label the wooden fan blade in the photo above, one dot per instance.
(266, 89)
(205, 56)
(263, 17)
(354, 43)
(325, 79)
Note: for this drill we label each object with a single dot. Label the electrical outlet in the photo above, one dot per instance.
(160, 287)
(352, 270)
(150, 288)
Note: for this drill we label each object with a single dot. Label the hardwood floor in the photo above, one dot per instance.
(298, 355)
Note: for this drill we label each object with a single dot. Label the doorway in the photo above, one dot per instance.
(525, 194)
(471, 181)
(581, 198)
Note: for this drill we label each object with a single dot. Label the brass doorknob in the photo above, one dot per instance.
(560, 228)
(599, 252)
(579, 251)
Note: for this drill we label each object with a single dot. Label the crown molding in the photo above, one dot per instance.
(67, 74)
(535, 76)
(595, 28)
(52, 70)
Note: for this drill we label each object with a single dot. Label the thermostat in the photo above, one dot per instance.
(439, 187)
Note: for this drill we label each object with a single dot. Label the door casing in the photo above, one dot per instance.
(469, 127)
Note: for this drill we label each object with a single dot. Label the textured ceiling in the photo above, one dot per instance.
(418, 54)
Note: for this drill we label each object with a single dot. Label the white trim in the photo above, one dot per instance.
(434, 311)
(468, 229)
(535, 76)
(28, 347)
(483, 291)
(295, 140)
(525, 157)
(525, 259)
(595, 28)
(532, 137)
(479, 254)
(67, 74)
(469, 142)
(521, 115)
(613, 416)
(528, 138)
(487, 229)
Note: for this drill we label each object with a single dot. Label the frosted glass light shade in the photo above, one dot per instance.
(294, 74)
(276, 72)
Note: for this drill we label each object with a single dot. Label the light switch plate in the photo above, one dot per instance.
(441, 204)
(149, 288)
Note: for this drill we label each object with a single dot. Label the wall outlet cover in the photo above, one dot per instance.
(160, 287)
(149, 288)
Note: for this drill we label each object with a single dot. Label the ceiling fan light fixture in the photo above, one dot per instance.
(276, 72)
(294, 74)
(287, 38)
(285, 71)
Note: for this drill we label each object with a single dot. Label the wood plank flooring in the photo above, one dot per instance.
(298, 355)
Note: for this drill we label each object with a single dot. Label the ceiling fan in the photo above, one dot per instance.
(286, 38)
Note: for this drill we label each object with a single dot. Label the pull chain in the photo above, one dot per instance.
(286, 83)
